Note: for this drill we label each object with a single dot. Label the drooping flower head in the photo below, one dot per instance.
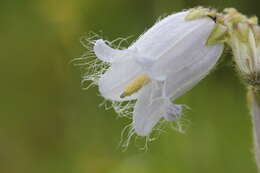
(161, 65)
(244, 39)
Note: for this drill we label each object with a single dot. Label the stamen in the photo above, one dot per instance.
(135, 85)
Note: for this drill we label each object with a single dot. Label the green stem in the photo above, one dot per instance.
(254, 105)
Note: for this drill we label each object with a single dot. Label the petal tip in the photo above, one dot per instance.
(102, 50)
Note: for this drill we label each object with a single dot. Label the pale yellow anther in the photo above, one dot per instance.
(135, 85)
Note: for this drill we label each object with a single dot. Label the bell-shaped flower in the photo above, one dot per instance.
(166, 61)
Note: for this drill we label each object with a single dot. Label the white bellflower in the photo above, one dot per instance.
(166, 61)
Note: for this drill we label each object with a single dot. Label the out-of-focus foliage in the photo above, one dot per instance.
(48, 124)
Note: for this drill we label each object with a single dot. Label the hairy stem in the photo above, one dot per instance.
(254, 105)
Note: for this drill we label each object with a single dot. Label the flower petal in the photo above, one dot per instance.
(112, 83)
(147, 112)
(188, 48)
(172, 111)
(158, 37)
(144, 61)
(104, 52)
(188, 76)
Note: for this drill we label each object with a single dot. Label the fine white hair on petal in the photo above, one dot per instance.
(91, 67)
(124, 109)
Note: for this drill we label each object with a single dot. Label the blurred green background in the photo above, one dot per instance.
(48, 124)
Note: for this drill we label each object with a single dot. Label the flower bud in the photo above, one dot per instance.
(244, 42)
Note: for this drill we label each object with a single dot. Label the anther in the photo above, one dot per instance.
(135, 85)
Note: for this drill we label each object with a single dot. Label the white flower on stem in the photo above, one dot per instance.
(165, 62)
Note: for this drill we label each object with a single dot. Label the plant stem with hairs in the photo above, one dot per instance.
(254, 106)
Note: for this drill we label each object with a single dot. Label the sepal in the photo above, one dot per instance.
(219, 34)
(199, 12)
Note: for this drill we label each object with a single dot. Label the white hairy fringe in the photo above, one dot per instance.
(128, 133)
(92, 69)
